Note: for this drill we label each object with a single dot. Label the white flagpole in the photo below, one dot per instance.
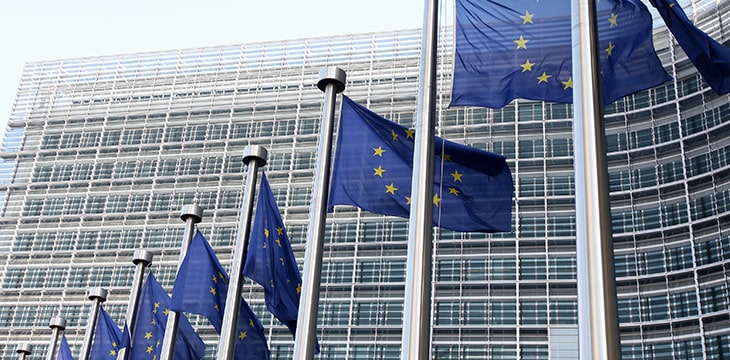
(191, 214)
(253, 156)
(597, 315)
(141, 259)
(57, 325)
(98, 296)
(24, 350)
(417, 304)
(331, 81)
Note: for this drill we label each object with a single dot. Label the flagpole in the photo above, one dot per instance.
(57, 325)
(191, 214)
(142, 259)
(417, 303)
(98, 296)
(597, 315)
(331, 81)
(23, 350)
(254, 156)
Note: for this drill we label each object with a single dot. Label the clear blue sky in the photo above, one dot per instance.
(36, 30)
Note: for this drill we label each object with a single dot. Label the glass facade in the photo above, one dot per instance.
(100, 155)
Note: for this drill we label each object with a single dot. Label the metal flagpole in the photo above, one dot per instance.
(597, 315)
(57, 325)
(98, 296)
(142, 259)
(23, 350)
(254, 156)
(191, 215)
(331, 81)
(417, 303)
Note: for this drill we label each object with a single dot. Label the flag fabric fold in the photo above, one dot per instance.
(108, 338)
(201, 288)
(64, 351)
(373, 168)
(270, 260)
(711, 58)
(153, 308)
(271, 263)
(201, 284)
(506, 50)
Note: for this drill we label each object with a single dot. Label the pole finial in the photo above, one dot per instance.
(24, 348)
(193, 211)
(332, 75)
(142, 256)
(98, 293)
(255, 152)
(57, 322)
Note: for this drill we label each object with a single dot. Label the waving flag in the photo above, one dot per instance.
(108, 339)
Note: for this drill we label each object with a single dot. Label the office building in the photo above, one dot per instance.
(101, 153)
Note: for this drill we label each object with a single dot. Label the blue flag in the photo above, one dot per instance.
(270, 260)
(108, 339)
(201, 283)
(373, 166)
(152, 311)
(64, 351)
(508, 49)
(711, 58)
(201, 288)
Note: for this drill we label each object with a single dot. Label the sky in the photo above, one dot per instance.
(37, 30)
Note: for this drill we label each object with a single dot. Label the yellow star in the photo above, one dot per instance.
(153, 322)
(149, 349)
(447, 157)
(393, 135)
(243, 335)
(543, 78)
(379, 171)
(391, 189)
(114, 344)
(278, 242)
(609, 49)
(612, 20)
(527, 18)
(436, 199)
(281, 260)
(456, 176)
(216, 307)
(521, 43)
(215, 279)
(299, 288)
(156, 306)
(280, 231)
(454, 191)
(167, 312)
(568, 84)
(112, 352)
(266, 232)
(212, 291)
(250, 322)
(671, 5)
(148, 335)
(408, 200)
(527, 66)
(378, 151)
(410, 133)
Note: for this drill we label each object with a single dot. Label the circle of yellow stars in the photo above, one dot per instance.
(544, 78)
(391, 188)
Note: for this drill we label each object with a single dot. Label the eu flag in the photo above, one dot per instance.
(64, 351)
(201, 288)
(152, 311)
(508, 49)
(711, 58)
(201, 284)
(270, 260)
(373, 166)
(108, 339)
